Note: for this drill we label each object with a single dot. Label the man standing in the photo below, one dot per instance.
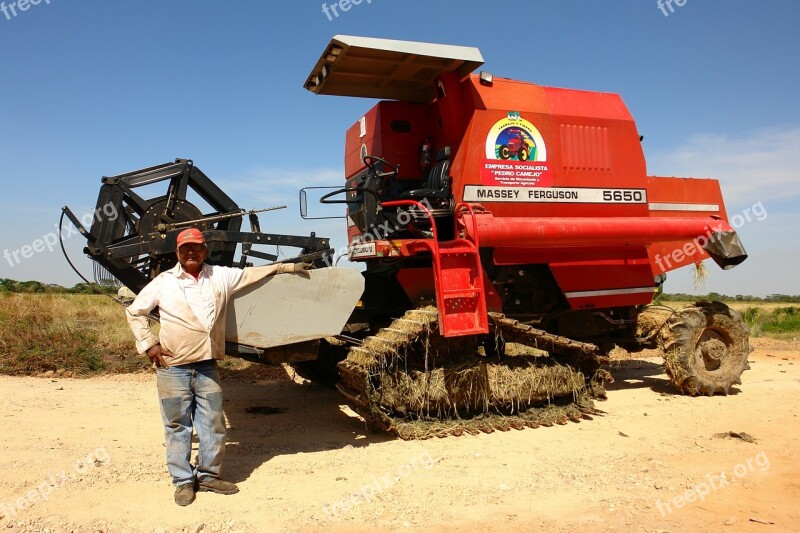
(192, 299)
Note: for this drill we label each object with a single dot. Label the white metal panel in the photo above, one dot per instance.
(663, 206)
(289, 308)
(387, 69)
(609, 292)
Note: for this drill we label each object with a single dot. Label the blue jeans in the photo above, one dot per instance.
(191, 397)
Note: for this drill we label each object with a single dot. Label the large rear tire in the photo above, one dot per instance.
(705, 346)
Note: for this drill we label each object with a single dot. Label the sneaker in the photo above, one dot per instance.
(184, 494)
(217, 485)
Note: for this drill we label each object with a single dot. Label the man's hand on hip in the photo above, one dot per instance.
(156, 354)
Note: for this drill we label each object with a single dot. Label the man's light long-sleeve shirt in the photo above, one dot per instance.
(192, 311)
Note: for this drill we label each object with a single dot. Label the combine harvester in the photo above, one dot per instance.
(511, 238)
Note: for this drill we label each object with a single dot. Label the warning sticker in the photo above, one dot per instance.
(362, 250)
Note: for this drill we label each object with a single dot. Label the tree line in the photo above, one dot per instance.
(10, 285)
(711, 296)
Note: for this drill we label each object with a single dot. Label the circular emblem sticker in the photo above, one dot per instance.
(515, 139)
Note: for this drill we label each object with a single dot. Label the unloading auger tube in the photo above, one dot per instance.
(410, 380)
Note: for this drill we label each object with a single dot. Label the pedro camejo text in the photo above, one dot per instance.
(525, 171)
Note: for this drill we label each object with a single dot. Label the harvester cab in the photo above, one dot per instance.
(535, 222)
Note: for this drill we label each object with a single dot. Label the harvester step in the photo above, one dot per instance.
(456, 251)
(461, 293)
(468, 331)
(457, 246)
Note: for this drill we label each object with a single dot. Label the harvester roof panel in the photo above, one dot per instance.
(387, 69)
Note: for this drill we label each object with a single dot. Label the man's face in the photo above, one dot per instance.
(191, 256)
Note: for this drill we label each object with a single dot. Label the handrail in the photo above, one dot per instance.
(468, 207)
(460, 206)
(434, 248)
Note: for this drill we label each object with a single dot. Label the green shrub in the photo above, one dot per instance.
(783, 320)
(780, 322)
(752, 316)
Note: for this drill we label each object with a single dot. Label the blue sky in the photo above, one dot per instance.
(99, 88)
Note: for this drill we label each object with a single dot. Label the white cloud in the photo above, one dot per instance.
(761, 165)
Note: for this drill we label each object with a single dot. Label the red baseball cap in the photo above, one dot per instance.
(190, 235)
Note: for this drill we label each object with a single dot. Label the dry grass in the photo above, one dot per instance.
(700, 275)
(736, 306)
(652, 320)
(76, 334)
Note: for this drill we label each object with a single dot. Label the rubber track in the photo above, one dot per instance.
(355, 376)
(514, 331)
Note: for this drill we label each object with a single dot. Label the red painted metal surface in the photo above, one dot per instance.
(391, 130)
(417, 283)
(576, 231)
(602, 276)
(603, 251)
(458, 279)
(591, 276)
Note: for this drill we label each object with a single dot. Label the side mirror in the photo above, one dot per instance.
(319, 195)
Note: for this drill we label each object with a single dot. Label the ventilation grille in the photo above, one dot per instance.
(585, 147)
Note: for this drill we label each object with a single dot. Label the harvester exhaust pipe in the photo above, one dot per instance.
(725, 249)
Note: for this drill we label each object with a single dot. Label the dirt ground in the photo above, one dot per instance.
(88, 455)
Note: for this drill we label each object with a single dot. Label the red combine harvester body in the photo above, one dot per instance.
(536, 207)
(580, 206)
